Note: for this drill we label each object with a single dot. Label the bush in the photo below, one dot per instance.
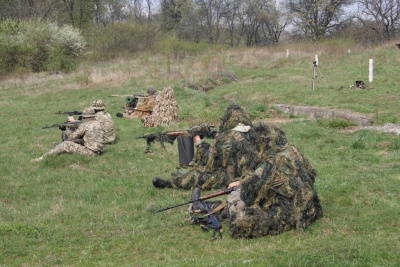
(120, 39)
(39, 46)
(335, 123)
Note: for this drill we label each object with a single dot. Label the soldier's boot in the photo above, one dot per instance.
(224, 213)
(160, 183)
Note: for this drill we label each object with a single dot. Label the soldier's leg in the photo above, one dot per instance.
(67, 147)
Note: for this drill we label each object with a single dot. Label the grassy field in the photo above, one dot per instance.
(70, 210)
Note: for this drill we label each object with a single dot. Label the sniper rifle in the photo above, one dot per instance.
(212, 220)
(203, 130)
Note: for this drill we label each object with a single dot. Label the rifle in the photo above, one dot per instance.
(212, 220)
(203, 130)
(144, 110)
(74, 124)
(133, 100)
(70, 113)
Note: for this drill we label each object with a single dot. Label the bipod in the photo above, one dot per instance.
(210, 222)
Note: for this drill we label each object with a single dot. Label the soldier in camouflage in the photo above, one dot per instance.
(105, 118)
(217, 166)
(90, 132)
(275, 182)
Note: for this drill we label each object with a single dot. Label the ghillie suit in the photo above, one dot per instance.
(164, 112)
(278, 196)
(231, 157)
(277, 182)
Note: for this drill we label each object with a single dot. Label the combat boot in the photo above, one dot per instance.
(160, 183)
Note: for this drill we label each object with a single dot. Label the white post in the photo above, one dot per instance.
(287, 52)
(316, 60)
(371, 70)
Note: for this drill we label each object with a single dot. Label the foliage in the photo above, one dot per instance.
(336, 123)
(39, 46)
(120, 39)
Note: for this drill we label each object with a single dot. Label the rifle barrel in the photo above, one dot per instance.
(202, 198)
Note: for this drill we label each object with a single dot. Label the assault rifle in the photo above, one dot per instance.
(71, 113)
(212, 220)
(74, 124)
(203, 130)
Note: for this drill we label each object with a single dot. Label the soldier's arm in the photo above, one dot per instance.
(77, 134)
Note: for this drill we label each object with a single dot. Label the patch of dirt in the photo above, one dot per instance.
(76, 166)
(276, 117)
(216, 79)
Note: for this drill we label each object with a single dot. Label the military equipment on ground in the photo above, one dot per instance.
(212, 220)
(203, 130)
(132, 101)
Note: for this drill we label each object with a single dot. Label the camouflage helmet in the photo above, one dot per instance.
(98, 105)
(151, 90)
(88, 113)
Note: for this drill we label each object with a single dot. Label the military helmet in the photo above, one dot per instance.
(98, 105)
(151, 90)
(88, 113)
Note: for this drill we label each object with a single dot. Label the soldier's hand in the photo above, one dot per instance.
(62, 127)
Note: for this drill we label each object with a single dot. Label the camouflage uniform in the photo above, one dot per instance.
(218, 166)
(105, 118)
(90, 132)
(277, 182)
(278, 196)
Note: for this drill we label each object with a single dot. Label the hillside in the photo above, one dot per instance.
(71, 210)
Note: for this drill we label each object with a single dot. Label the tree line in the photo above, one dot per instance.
(230, 22)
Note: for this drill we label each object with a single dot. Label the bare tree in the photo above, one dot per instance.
(317, 18)
(261, 22)
(381, 16)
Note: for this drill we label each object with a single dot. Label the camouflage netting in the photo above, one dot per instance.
(165, 110)
(277, 181)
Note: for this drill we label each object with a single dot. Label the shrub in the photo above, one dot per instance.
(120, 39)
(335, 123)
(39, 46)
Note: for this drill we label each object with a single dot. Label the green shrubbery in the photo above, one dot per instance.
(39, 46)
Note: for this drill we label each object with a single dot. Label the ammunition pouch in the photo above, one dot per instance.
(185, 149)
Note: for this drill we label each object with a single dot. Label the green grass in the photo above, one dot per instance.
(71, 210)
